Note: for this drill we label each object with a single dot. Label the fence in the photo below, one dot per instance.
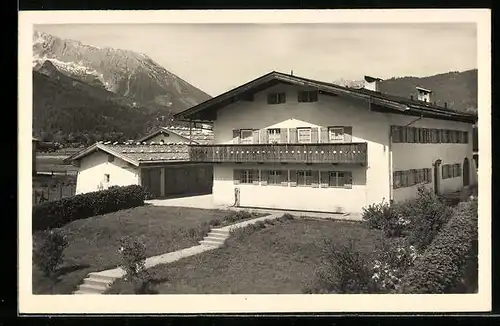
(52, 189)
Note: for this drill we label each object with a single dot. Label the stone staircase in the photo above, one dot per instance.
(95, 283)
(215, 237)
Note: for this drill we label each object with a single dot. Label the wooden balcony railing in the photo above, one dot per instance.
(280, 153)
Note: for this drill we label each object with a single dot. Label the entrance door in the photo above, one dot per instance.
(151, 181)
(437, 178)
(466, 172)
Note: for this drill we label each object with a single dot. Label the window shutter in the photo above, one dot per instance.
(459, 171)
(264, 136)
(255, 137)
(443, 172)
(293, 135)
(255, 177)
(264, 177)
(403, 134)
(314, 135)
(236, 136)
(293, 178)
(325, 180)
(348, 179)
(396, 179)
(396, 137)
(324, 135)
(315, 179)
(236, 176)
(283, 135)
(348, 134)
(466, 141)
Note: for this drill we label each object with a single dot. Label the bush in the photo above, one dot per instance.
(384, 217)
(342, 270)
(234, 217)
(426, 215)
(48, 251)
(441, 266)
(57, 213)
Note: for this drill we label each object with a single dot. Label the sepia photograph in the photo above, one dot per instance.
(254, 162)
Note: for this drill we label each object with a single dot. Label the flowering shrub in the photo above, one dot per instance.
(392, 265)
(48, 251)
(384, 217)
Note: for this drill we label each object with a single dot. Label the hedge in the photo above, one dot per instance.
(440, 267)
(57, 213)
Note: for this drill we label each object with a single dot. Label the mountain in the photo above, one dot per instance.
(70, 111)
(122, 72)
(457, 89)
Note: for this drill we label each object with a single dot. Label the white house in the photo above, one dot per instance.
(159, 162)
(287, 142)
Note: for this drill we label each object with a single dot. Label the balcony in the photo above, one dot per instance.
(351, 153)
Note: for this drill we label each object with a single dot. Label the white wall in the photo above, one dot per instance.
(417, 156)
(298, 197)
(328, 111)
(93, 168)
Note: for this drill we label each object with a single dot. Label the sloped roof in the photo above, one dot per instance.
(196, 135)
(139, 153)
(205, 111)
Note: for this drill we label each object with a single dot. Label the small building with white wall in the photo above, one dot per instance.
(286, 142)
(162, 168)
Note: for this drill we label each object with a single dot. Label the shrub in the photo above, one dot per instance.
(260, 225)
(342, 270)
(133, 259)
(441, 266)
(426, 215)
(48, 251)
(384, 217)
(60, 212)
(215, 222)
(237, 216)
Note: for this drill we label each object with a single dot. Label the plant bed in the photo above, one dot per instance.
(275, 256)
(94, 242)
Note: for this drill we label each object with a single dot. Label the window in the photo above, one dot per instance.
(397, 179)
(111, 158)
(466, 136)
(274, 136)
(339, 179)
(336, 133)
(304, 135)
(304, 178)
(274, 177)
(276, 98)
(246, 136)
(247, 176)
(106, 178)
(308, 96)
(396, 134)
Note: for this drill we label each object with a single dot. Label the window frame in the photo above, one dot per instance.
(274, 175)
(247, 175)
(309, 129)
(243, 140)
(276, 98)
(330, 129)
(303, 176)
(307, 96)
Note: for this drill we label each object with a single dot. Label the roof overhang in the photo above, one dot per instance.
(163, 131)
(206, 111)
(96, 147)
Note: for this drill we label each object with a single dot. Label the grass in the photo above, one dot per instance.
(278, 258)
(93, 242)
(48, 162)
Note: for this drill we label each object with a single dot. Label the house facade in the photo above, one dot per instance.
(162, 168)
(287, 142)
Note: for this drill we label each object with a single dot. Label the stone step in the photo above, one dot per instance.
(94, 282)
(210, 243)
(218, 235)
(219, 240)
(220, 231)
(102, 278)
(92, 288)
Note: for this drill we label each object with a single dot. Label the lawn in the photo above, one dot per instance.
(53, 163)
(277, 259)
(93, 242)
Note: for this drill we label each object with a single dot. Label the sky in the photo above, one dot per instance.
(218, 57)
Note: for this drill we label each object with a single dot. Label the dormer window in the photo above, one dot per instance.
(307, 96)
(276, 98)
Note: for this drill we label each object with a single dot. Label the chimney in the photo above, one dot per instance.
(372, 83)
(424, 95)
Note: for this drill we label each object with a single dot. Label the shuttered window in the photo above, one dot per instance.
(246, 136)
(275, 177)
(274, 136)
(304, 178)
(336, 134)
(340, 179)
(307, 96)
